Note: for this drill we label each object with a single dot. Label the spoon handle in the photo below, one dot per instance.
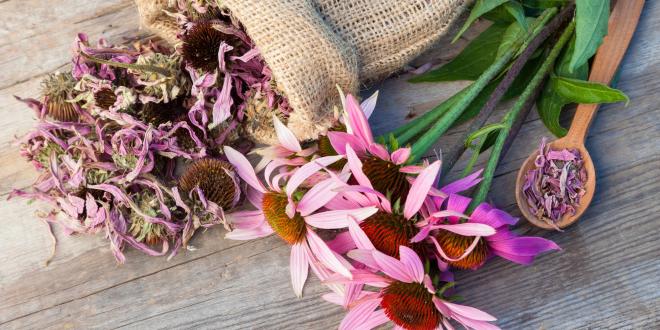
(621, 26)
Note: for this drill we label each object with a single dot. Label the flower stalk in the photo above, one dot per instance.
(512, 115)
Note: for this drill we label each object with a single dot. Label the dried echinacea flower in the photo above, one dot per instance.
(161, 76)
(215, 178)
(142, 229)
(57, 90)
(162, 112)
(105, 98)
(259, 114)
(201, 44)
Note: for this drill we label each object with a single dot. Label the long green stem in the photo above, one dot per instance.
(426, 141)
(511, 116)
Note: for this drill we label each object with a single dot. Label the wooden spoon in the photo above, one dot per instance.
(622, 24)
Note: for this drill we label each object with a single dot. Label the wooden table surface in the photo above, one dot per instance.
(606, 276)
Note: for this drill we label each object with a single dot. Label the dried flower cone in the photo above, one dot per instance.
(353, 41)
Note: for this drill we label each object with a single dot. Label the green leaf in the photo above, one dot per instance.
(499, 15)
(591, 18)
(543, 4)
(480, 8)
(471, 62)
(562, 68)
(582, 91)
(549, 106)
(516, 10)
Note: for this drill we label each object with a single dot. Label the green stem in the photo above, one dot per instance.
(149, 68)
(426, 141)
(511, 116)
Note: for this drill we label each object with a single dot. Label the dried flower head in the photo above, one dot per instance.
(162, 112)
(141, 229)
(57, 89)
(201, 44)
(165, 80)
(215, 178)
(259, 118)
(105, 98)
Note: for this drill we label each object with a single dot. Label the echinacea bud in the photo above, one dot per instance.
(215, 178)
(201, 44)
(57, 89)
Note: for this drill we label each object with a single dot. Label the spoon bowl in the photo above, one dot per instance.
(589, 186)
(621, 27)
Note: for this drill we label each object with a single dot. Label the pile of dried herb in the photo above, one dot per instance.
(554, 188)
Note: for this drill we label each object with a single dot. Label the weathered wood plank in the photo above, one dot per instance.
(606, 276)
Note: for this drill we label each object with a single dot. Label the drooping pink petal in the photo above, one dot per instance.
(457, 203)
(465, 254)
(359, 314)
(524, 246)
(339, 140)
(243, 168)
(379, 151)
(358, 235)
(392, 267)
(421, 234)
(299, 266)
(248, 234)
(376, 319)
(359, 276)
(411, 261)
(475, 324)
(469, 312)
(246, 219)
(400, 156)
(307, 170)
(314, 199)
(463, 184)
(337, 219)
(420, 189)
(324, 254)
(364, 256)
(285, 136)
(358, 121)
(342, 243)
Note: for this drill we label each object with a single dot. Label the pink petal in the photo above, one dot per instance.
(465, 254)
(400, 156)
(412, 169)
(469, 229)
(463, 184)
(524, 246)
(359, 314)
(421, 235)
(358, 121)
(333, 298)
(379, 151)
(314, 199)
(376, 319)
(359, 236)
(339, 140)
(298, 267)
(355, 165)
(469, 312)
(243, 168)
(364, 256)
(342, 243)
(393, 267)
(411, 261)
(420, 189)
(285, 136)
(369, 104)
(458, 203)
(325, 255)
(248, 234)
(308, 170)
(338, 218)
(359, 276)
(474, 324)
(246, 219)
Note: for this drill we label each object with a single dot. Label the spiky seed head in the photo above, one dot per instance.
(291, 230)
(215, 178)
(455, 245)
(201, 44)
(388, 231)
(387, 178)
(162, 112)
(410, 306)
(105, 98)
(57, 88)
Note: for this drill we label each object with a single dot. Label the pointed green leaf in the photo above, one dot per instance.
(582, 91)
(471, 62)
(516, 10)
(549, 106)
(480, 8)
(483, 131)
(591, 18)
(543, 4)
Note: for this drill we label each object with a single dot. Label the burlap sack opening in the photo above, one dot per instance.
(314, 45)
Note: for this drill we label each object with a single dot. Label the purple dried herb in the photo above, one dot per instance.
(554, 188)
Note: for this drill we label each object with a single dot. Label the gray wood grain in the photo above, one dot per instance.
(606, 277)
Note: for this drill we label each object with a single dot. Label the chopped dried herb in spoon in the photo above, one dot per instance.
(555, 187)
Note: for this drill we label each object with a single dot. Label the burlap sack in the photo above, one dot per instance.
(314, 45)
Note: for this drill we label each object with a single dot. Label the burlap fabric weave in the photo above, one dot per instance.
(314, 45)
